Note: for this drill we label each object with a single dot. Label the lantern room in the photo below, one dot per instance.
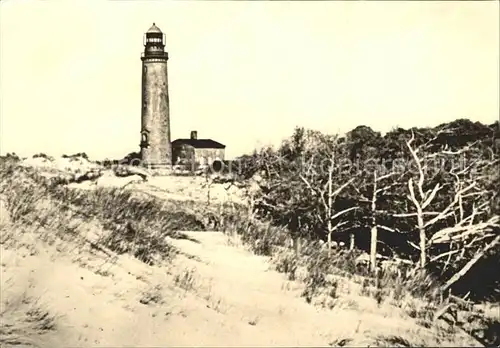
(154, 43)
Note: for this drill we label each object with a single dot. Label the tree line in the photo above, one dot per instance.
(426, 195)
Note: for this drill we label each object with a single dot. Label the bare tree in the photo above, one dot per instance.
(327, 192)
(422, 197)
(379, 187)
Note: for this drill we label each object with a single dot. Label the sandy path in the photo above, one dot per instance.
(258, 306)
(234, 299)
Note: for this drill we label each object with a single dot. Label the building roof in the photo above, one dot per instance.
(154, 29)
(200, 143)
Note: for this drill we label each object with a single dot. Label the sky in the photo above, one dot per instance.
(244, 73)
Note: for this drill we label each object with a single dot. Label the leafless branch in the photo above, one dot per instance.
(341, 188)
(387, 228)
(470, 264)
(342, 212)
(449, 234)
(431, 196)
(446, 254)
(446, 211)
(419, 166)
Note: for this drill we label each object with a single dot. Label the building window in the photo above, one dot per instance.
(145, 69)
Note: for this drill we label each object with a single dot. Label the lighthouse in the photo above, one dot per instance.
(156, 149)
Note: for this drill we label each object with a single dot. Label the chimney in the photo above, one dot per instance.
(194, 135)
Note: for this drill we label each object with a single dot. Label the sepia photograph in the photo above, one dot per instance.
(249, 173)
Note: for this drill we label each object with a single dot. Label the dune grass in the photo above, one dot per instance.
(138, 224)
(326, 276)
(127, 222)
(133, 223)
(25, 319)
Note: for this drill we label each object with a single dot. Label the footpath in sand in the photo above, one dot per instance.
(258, 306)
(213, 294)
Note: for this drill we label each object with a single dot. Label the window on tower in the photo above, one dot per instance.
(144, 139)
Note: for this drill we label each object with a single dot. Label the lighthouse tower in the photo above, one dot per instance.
(156, 149)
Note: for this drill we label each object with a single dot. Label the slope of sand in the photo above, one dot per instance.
(213, 294)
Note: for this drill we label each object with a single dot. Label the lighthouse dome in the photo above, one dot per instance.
(154, 29)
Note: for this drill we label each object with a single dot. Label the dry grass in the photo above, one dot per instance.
(42, 210)
(152, 295)
(186, 279)
(137, 224)
(336, 281)
(25, 320)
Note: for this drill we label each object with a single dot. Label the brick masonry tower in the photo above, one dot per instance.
(156, 148)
